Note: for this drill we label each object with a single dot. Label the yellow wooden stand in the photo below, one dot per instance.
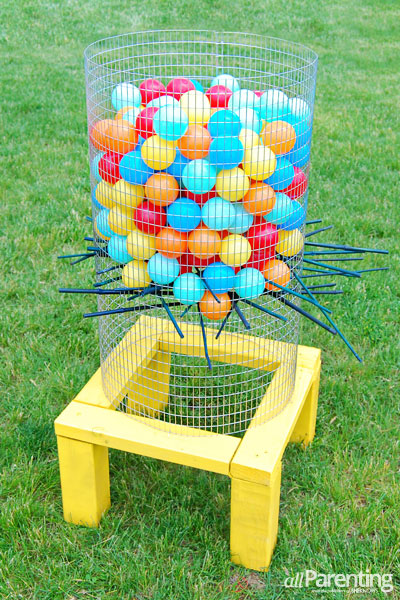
(90, 425)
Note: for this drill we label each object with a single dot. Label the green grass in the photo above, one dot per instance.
(166, 536)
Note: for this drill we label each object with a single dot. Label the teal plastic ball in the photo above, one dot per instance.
(242, 220)
(218, 214)
(116, 249)
(283, 175)
(250, 119)
(197, 85)
(227, 81)
(296, 218)
(224, 123)
(249, 283)
(102, 223)
(170, 123)
(183, 215)
(226, 152)
(273, 105)
(94, 166)
(282, 210)
(243, 99)
(219, 277)
(188, 288)
(199, 176)
(162, 270)
(125, 94)
(163, 101)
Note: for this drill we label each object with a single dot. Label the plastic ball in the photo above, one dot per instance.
(120, 114)
(218, 214)
(133, 169)
(162, 189)
(134, 275)
(116, 249)
(131, 114)
(277, 271)
(188, 288)
(197, 85)
(95, 203)
(290, 242)
(226, 152)
(235, 250)
(151, 89)
(179, 86)
(98, 234)
(281, 211)
(126, 196)
(140, 246)
(98, 133)
(279, 136)
(144, 122)
(298, 187)
(218, 96)
(299, 157)
(102, 223)
(260, 199)
(243, 99)
(250, 119)
(170, 123)
(212, 309)
(300, 108)
(242, 219)
(125, 94)
(232, 184)
(150, 218)
(204, 243)
(188, 260)
(224, 123)
(259, 162)
(199, 176)
(176, 168)
(104, 193)
(262, 236)
(249, 283)
(283, 175)
(183, 215)
(195, 143)
(227, 81)
(109, 167)
(197, 107)
(171, 243)
(120, 137)
(201, 199)
(94, 166)
(296, 218)
(249, 138)
(120, 222)
(273, 105)
(219, 277)
(259, 258)
(158, 154)
(162, 270)
(163, 101)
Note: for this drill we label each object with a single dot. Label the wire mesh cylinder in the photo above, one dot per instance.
(199, 151)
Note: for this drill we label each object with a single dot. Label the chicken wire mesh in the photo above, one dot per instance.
(199, 150)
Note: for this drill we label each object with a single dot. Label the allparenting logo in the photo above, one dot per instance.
(358, 583)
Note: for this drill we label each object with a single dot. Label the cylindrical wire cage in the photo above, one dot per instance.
(199, 151)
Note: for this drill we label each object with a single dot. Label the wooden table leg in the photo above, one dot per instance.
(304, 430)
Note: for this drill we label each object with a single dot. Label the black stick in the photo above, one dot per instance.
(351, 248)
(220, 330)
(332, 292)
(171, 316)
(115, 311)
(310, 233)
(321, 285)
(314, 221)
(203, 331)
(306, 314)
(241, 315)
(107, 281)
(263, 309)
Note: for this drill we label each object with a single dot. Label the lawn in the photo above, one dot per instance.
(166, 535)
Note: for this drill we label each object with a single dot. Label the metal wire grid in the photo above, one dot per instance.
(225, 397)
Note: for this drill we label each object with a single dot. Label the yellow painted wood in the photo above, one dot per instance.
(254, 521)
(93, 394)
(211, 452)
(85, 480)
(304, 429)
(148, 391)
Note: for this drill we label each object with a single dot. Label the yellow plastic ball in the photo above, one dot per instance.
(158, 154)
(259, 162)
(134, 274)
(235, 250)
(232, 184)
(290, 242)
(249, 138)
(140, 246)
(127, 196)
(197, 107)
(104, 194)
(120, 222)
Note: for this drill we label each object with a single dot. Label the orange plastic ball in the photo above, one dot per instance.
(260, 199)
(98, 134)
(279, 136)
(162, 189)
(211, 309)
(277, 271)
(171, 243)
(204, 243)
(195, 143)
(120, 137)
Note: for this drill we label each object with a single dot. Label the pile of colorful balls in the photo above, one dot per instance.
(202, 190)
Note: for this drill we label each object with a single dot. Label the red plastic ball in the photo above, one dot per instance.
(151, 89)
(218, 96)
(298, 186)
(189, 260)
(149, 218)
(109, 167)
(178, 86)
(144, 122)
(258, 93)
(259, 258)
(262, 236)
(201, 198)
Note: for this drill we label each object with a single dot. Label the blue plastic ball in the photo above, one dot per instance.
(116, 249)
(94, 166)
(243, 99)
(126, 94)
(133, 169)
(176, 168)
(102, 223)
(250, 119)
(249, 283)
(224, 123)
(227, 81)
(199, 176)
(183, 214)
(219, 277)
(299, 157)
(226, 152)
(282, 210)
(242, 220)
(189, 288)
(283, 175)
(162, 270)
(296, 218)
(170, 123)
(197, 85)
(218, 214)
(273, 105)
